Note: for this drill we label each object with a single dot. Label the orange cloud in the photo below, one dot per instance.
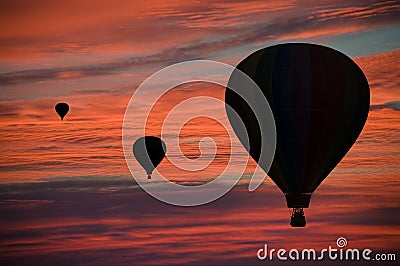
(328, 31)
(382, 71)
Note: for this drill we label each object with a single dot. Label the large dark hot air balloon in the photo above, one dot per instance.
(320, 101)
(149, 151)
(62, 109)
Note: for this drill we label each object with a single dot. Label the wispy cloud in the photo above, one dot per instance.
(382, 71)
(394, 105)
(192, 31)
(359, 10)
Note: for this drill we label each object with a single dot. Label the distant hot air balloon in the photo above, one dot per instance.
(320, 101)
(62, 109)
(149, 151)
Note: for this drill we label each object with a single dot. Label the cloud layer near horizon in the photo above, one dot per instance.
(87, 217)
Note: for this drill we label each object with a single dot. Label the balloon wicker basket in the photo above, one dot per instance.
(297, 218)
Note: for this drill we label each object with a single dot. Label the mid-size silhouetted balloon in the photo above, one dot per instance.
(320, 101)
(149, 151)
(62, 109)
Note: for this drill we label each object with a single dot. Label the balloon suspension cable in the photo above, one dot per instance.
(297, 211)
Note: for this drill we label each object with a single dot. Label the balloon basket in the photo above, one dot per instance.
(297, 218)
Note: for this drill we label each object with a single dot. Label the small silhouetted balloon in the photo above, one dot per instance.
(149, 151)
(62, 109)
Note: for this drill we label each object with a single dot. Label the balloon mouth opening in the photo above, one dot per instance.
(297, 218)
(298, 200)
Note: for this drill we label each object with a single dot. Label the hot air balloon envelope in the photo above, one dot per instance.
(149, 151)
(62, 109)
(320, 101)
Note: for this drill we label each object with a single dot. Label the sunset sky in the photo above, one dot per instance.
(66, 194)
